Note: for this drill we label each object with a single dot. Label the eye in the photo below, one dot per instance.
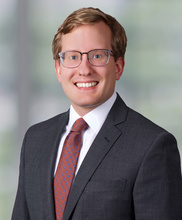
(73, 57)
(97, 56)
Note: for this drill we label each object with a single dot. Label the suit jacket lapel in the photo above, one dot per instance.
(100, 147)
(48, 164)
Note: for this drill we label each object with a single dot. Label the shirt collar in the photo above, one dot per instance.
(94, 118)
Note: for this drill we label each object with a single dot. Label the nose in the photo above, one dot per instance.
(85, 66)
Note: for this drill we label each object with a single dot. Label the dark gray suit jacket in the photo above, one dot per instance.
(132, 171)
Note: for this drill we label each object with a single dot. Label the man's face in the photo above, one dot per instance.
(99, 81)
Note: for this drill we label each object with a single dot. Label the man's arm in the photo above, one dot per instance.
(20, 210)
(158, 187)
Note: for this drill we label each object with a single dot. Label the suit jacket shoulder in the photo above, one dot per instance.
(50, 123)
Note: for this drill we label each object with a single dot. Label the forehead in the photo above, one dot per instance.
(87, 37)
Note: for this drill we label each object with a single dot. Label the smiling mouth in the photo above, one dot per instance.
(86, 85)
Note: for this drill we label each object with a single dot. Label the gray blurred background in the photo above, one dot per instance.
(30, 92)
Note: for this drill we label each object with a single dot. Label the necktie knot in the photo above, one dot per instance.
(79, 125)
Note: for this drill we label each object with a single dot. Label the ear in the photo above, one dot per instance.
(120, 63)
(58, 70)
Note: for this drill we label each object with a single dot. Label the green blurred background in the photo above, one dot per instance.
(30, 92)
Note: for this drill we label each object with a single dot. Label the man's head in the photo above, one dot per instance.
(91, 16)
(91, 47)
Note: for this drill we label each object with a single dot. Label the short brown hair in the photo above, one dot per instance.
(91, 16)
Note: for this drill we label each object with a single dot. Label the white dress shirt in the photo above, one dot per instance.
(95, 120)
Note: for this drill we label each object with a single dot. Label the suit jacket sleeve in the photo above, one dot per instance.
(158, 188)
(20, 211)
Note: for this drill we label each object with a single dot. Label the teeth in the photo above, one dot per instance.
(86, 85)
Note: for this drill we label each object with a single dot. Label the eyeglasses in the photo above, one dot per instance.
(97, 57)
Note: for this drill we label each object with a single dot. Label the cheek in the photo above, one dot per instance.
(64, 76)
(110, 75)
(66, 80)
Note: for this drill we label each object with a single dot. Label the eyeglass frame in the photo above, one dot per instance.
(108, 57)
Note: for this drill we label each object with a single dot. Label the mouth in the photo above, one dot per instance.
(86, 85)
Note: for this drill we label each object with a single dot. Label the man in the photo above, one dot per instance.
(128, 167)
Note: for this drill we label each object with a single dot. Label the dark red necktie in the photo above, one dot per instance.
(67, 166)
